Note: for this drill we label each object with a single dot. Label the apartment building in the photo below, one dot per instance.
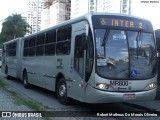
(80, 7)
(34, 15)
(88, 6)
(126, 7)
(55, 11)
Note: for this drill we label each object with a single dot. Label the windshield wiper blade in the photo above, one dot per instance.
(105, 36)
(139, 39)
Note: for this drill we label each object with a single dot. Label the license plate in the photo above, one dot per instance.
(129, 96)
(118, 83)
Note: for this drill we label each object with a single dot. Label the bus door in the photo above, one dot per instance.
(79, 65)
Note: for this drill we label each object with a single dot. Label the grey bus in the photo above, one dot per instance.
(95, 58)
(12, 58)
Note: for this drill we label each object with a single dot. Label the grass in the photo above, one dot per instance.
(19, 100)
(34, 105)
(2, 84)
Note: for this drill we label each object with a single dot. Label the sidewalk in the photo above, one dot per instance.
(9, 110)
(7, 102)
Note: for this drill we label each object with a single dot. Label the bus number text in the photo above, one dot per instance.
(118, 83)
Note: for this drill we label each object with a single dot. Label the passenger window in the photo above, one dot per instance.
(63, 41)
(32, 43)
(40, 45)
(26, 49)
(11, 49)
(50, 43)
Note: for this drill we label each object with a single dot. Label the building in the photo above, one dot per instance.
(80, 7)
(34, 14)
(55, 11)
(126, 7)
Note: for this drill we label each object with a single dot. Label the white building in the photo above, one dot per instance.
(55, 11)
(80, 7)
(126, 7)
(109, 6)
(34, 14)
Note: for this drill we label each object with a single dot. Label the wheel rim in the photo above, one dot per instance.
(62, 90)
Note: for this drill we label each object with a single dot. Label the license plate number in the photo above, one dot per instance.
(118, 83)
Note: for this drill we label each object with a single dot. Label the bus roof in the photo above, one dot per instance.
(86, 17)
(10, 41)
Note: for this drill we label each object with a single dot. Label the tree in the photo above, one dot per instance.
(14, 26)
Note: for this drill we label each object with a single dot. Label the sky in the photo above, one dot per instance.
(7, 7)
(139, 8)
(150, 11)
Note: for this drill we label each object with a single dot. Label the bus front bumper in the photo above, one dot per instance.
(97, 96)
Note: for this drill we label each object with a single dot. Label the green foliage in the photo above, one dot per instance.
(2, 84)
(13, 27)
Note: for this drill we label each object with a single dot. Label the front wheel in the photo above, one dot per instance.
(62, 92)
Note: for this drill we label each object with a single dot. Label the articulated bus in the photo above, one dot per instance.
(96, 58)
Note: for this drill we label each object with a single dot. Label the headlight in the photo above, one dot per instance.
(152, 85)
(102, 86)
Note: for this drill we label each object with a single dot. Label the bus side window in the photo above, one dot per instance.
(26, 49)
(63, 41)
(11, 49)
(32, 43)
(50, 42)
(40, 45)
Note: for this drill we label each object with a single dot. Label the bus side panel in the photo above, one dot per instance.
(10, 58)
(11, 63)
(49, 70)
(19, 58)
(76, 89)
(3, 58)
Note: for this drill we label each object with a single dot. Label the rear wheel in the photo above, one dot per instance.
(62, 92)
(25, 80)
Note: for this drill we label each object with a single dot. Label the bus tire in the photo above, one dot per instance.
(25, 80)
(62, 92)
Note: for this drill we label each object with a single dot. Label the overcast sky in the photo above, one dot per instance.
(146, 10)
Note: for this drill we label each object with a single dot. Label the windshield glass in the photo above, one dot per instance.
(125, 54)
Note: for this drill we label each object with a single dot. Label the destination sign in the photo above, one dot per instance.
(121, 23)
(115, 21)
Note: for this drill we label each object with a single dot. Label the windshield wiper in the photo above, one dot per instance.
(139, 39)
(105, 36)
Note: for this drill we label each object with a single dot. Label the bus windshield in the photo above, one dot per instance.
(124, 54)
